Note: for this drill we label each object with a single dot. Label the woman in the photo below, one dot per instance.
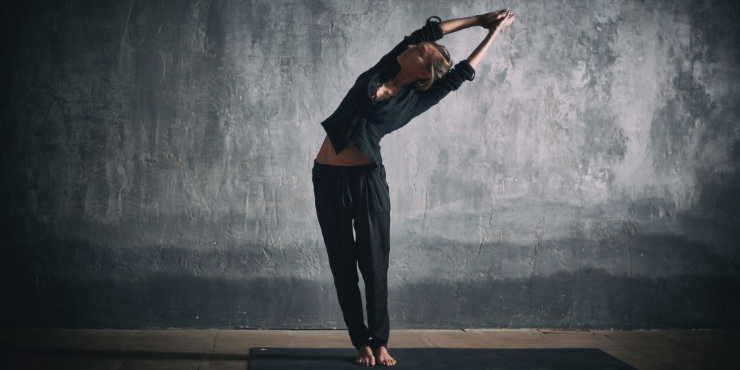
(350, 188)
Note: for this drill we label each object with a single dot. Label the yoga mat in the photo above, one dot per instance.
(278, 358)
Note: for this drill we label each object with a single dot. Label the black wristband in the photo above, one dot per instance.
(434, 16)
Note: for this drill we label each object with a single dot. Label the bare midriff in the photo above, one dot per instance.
(349, 156)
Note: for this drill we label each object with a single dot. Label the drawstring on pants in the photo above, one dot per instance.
(346, 175)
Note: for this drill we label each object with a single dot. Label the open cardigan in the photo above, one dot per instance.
(360, 118)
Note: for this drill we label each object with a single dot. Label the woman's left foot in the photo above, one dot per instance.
(382, 357)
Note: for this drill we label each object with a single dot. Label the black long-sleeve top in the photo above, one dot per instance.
(360, 118)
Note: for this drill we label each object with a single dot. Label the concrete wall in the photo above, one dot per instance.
(156, 160)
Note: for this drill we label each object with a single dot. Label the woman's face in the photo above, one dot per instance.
(416, 58)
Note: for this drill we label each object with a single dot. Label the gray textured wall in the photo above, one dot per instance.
(156, 161)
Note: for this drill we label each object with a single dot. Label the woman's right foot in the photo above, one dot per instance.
(365, 356)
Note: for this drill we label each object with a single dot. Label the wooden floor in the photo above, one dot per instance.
(228, 349)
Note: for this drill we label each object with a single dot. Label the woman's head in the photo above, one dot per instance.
(428, 60)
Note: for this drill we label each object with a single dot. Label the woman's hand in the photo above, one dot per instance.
(497, 20)
(494, 22)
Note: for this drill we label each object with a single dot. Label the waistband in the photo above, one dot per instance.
(358, 169)
(344, 173)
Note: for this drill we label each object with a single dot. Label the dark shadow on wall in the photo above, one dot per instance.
(44, 290)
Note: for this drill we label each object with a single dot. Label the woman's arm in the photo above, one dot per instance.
(457, 24)
(429, 32)
(495, 25)
(477, 54)
(464, 69)
(485, 20)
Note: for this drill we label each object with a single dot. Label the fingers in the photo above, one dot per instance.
(504, 14)
(498, 13)
(510, 15)
(502, 17)
(498, 16)
(507, 20)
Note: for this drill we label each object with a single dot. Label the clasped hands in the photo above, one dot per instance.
(497, 20)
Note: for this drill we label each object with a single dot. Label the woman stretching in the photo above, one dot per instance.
(350, 188)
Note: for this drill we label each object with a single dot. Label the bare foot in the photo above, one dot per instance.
(365, 356)
(383, 357)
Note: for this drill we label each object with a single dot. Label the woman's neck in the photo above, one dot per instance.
(400, 80)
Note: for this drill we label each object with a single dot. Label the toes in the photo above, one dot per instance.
(363, 362)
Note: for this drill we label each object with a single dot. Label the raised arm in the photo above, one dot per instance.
(464, 69)
(434, 30)
(431, 31)
(477, 54)
(457, 24)
(495, 24)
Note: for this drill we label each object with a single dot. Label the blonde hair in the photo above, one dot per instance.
(438, 67)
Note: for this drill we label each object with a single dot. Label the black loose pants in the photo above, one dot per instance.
(344, 194)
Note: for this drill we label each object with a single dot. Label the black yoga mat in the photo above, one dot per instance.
(277, 358)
